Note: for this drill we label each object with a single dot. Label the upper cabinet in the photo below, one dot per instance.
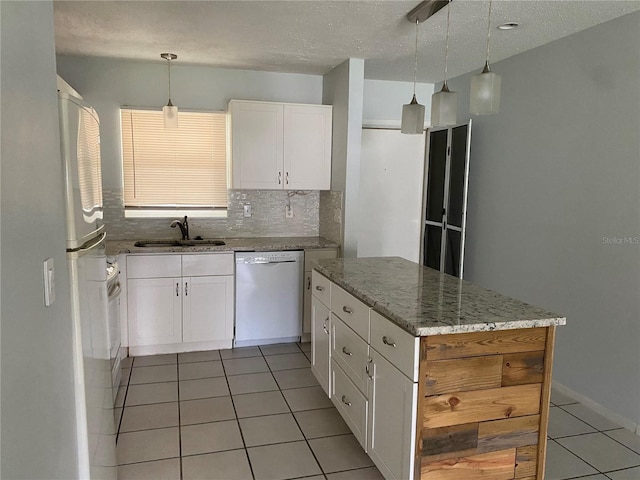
(276, 146)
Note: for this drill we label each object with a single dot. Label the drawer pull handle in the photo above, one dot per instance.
(320, 288)
(346, 352)
(177, 289)
(367, 368)
(345, 401)
(346, 309)
(324, 326)
(386, 341)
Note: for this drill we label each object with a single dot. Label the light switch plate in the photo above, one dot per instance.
(49, 283)
(247, 210)
(288, 211)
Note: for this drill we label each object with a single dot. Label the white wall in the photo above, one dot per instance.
(343, 88)
(383, 101)
(108, 84)
(554, 175)
(37, 419)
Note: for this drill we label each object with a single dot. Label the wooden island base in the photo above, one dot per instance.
(483, 405)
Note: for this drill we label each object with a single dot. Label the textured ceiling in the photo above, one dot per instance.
(310, 36)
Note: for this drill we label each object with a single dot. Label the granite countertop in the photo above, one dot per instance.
(424, 301)
(116, 247)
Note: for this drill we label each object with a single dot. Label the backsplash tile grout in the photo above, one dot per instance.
(267, 220)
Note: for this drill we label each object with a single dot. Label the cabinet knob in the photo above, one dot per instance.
(346, 309)
(386, 341)
(324, 326)
(346, 352)
(345, 401)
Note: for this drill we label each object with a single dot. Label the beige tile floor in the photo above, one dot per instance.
(258, 413)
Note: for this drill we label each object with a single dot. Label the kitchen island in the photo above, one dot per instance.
(436, 377)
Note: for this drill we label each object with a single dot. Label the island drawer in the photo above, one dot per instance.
(352, 405)
(351, 310)
(153, 266)
(350, 352)
(198, 265)
(320, 288)
(395, 344)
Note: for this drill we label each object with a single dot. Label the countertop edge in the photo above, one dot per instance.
(235, 244)
(444, 330)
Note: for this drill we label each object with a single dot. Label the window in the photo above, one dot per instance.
(174, 169)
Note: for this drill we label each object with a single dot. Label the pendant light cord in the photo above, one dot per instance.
(488, 33)
(415, 62)
(446, 50)
(169, 67)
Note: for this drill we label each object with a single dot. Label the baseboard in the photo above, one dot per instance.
(596, 407)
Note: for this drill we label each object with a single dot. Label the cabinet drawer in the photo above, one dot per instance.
(350, 352)
(153, 266)
(351, 310)
(351, 404)
(311, 256)
(396, 345)
(198, 265)
(320, 288)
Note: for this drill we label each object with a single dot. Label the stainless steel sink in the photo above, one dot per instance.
(178, 243)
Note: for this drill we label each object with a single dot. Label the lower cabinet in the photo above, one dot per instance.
(207, 308)
(320, 345)
(169, 311)
(391, 418)
(373, 390)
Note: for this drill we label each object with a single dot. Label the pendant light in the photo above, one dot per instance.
(413, 113)
(485, 86)
(170, 111)
(444, 104)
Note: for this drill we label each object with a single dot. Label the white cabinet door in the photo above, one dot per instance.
(307, 147)
(207, 308)
(320, 345)
(256, 143)
(154, 311)
(392, 419)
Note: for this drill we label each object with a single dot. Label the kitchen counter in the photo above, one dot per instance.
(115, 247)
(464, 394)
(424, 302)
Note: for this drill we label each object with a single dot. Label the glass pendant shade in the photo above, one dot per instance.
(444, 107)
(412, 118)
(485, 92)
(170, 113)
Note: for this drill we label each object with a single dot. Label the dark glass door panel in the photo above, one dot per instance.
(452, 257)
(456, 176)
(436, 175)
(432, 246)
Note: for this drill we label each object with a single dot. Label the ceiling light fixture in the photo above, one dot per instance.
(413, 113)
(485, 86)
(425, 9)
(170, 111)
(508, 26)
(444, 104)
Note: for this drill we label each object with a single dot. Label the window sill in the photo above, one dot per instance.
(160, 213)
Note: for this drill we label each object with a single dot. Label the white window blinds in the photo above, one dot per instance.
(185, 167)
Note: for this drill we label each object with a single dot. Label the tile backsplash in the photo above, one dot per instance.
(267, 220)
(330, 215)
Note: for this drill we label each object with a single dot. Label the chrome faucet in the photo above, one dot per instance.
(184, 227)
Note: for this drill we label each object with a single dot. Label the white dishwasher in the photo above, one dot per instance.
(268, 297)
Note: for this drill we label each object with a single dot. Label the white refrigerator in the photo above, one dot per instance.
(80, 149)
